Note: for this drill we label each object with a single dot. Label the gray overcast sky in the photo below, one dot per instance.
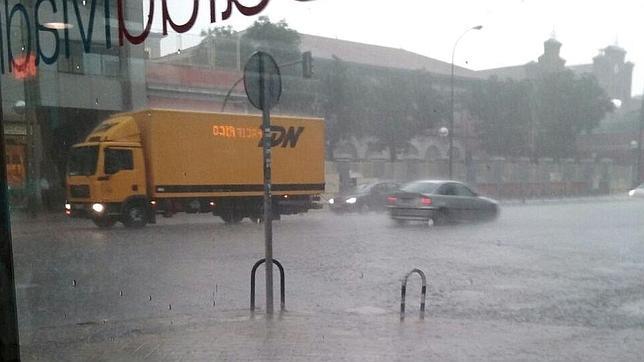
(513, 33)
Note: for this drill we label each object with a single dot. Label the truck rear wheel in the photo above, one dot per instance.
(104, 222)
(231, 217)
(135, 216)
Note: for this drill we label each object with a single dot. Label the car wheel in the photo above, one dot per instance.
(494, 214)
(135, 216)
(104, 222)
(399, 222)
(364, 208)
(441, 217)
(256, 218)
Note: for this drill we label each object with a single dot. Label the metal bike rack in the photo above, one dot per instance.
(423, 293)
(252, 284)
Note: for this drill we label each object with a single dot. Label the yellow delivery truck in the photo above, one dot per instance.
(135, 166)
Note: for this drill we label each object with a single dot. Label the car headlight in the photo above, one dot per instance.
(352, 200)
(98, 208)
(631, 193)
(331, 201)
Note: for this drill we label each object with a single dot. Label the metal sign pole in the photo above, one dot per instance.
(9, 344)
(263, 85)
(268, 214)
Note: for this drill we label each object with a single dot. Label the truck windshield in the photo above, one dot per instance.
(82, 161)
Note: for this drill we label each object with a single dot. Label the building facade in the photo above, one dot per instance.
(59, 80)
(205, 77)
(609, 67)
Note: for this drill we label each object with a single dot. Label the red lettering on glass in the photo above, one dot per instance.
(246, 10)
(179, 28)
(124, 33)
(24, 66)
(213, 12)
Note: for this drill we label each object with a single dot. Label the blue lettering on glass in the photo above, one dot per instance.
(41, 28)
(86, 38)
(87, 31)
(18, 8)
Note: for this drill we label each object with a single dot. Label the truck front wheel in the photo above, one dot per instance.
(135, 216)
(231, 217)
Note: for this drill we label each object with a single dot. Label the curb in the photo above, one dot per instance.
(615, 198)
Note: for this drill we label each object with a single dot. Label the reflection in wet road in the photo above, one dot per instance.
(560, 280)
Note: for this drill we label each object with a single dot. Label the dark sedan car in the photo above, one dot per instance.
(367, 197)
(441, 202)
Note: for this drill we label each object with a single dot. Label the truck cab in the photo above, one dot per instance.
(106, 176)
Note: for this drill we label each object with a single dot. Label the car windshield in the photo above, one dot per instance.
(423, 187)
(82, 161)
(363, 188)
(161, 153)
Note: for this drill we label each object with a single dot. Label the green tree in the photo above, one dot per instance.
(567, 105)
(219, 47)
(540, 117)
(504, 114)
(341, 103)
(277, 39)
(283, 44)
(401, 105)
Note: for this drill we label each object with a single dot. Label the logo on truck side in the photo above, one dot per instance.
(280, 136)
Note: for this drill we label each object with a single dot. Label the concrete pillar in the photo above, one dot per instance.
(523, 176)
(587, 173)
(498, 170)
(343, 168)
(605, 166)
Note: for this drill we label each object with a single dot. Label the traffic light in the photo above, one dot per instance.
(307, 65)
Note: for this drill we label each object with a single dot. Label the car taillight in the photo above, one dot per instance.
(426, 201)
(392, 199)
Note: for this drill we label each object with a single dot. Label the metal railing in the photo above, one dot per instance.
(423, 293)
(252, 284)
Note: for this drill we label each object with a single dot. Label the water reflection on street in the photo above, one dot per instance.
(546, 280)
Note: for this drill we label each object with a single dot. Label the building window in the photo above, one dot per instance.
(73, 64)
(100, 61)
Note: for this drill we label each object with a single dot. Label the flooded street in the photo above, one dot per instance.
(547, 280)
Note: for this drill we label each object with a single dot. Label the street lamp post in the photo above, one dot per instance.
(638, 170)
(634, 149)
(451, 119)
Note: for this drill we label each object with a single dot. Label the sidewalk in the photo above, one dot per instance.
(576, 199)
(367, 334)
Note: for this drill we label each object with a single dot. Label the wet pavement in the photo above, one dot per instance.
(562, 281)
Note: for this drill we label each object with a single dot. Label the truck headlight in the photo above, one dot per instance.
(98, 208)
(352, 200)
(331, 201)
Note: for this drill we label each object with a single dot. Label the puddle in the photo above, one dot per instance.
(368, 310)
(634, 308)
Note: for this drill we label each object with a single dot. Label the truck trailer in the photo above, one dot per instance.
(135, 166)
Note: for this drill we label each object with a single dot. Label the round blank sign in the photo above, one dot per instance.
(262, 71)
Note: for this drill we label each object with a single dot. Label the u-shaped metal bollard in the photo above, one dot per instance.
(252, 284)
(423, 293)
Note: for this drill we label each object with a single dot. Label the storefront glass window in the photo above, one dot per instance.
(135, 202)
